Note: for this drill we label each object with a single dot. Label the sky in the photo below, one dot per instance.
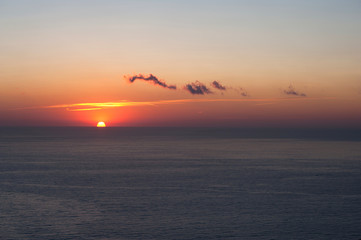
(233, 63)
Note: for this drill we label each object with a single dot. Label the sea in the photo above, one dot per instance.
(179, 183)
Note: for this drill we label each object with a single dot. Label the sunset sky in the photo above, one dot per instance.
(256, 63)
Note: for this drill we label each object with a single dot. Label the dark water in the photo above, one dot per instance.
(149, 183)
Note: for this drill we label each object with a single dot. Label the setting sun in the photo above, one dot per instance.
(101, 124)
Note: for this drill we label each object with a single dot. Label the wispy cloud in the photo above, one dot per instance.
(74, 107)
(197, 88)
(292, 91)
(83, 109)
(106, 105)
(150, 78)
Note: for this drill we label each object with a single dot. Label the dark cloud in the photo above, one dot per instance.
(292, 91)
(244, 92)
(151, 78)
(197, 88)
(217, 85)
(241, 91)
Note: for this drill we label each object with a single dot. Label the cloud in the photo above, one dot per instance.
(217, 85)
(151, 78)
(292, 91)
(197, 88)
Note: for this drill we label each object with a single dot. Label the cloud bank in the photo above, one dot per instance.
(194, 88)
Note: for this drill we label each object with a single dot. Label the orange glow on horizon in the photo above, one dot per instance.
(104, 105)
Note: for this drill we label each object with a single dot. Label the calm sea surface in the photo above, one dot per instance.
(179, 183)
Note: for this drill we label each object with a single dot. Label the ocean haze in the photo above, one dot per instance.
(179, 183)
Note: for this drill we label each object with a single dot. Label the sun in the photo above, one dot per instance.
(101, 124)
